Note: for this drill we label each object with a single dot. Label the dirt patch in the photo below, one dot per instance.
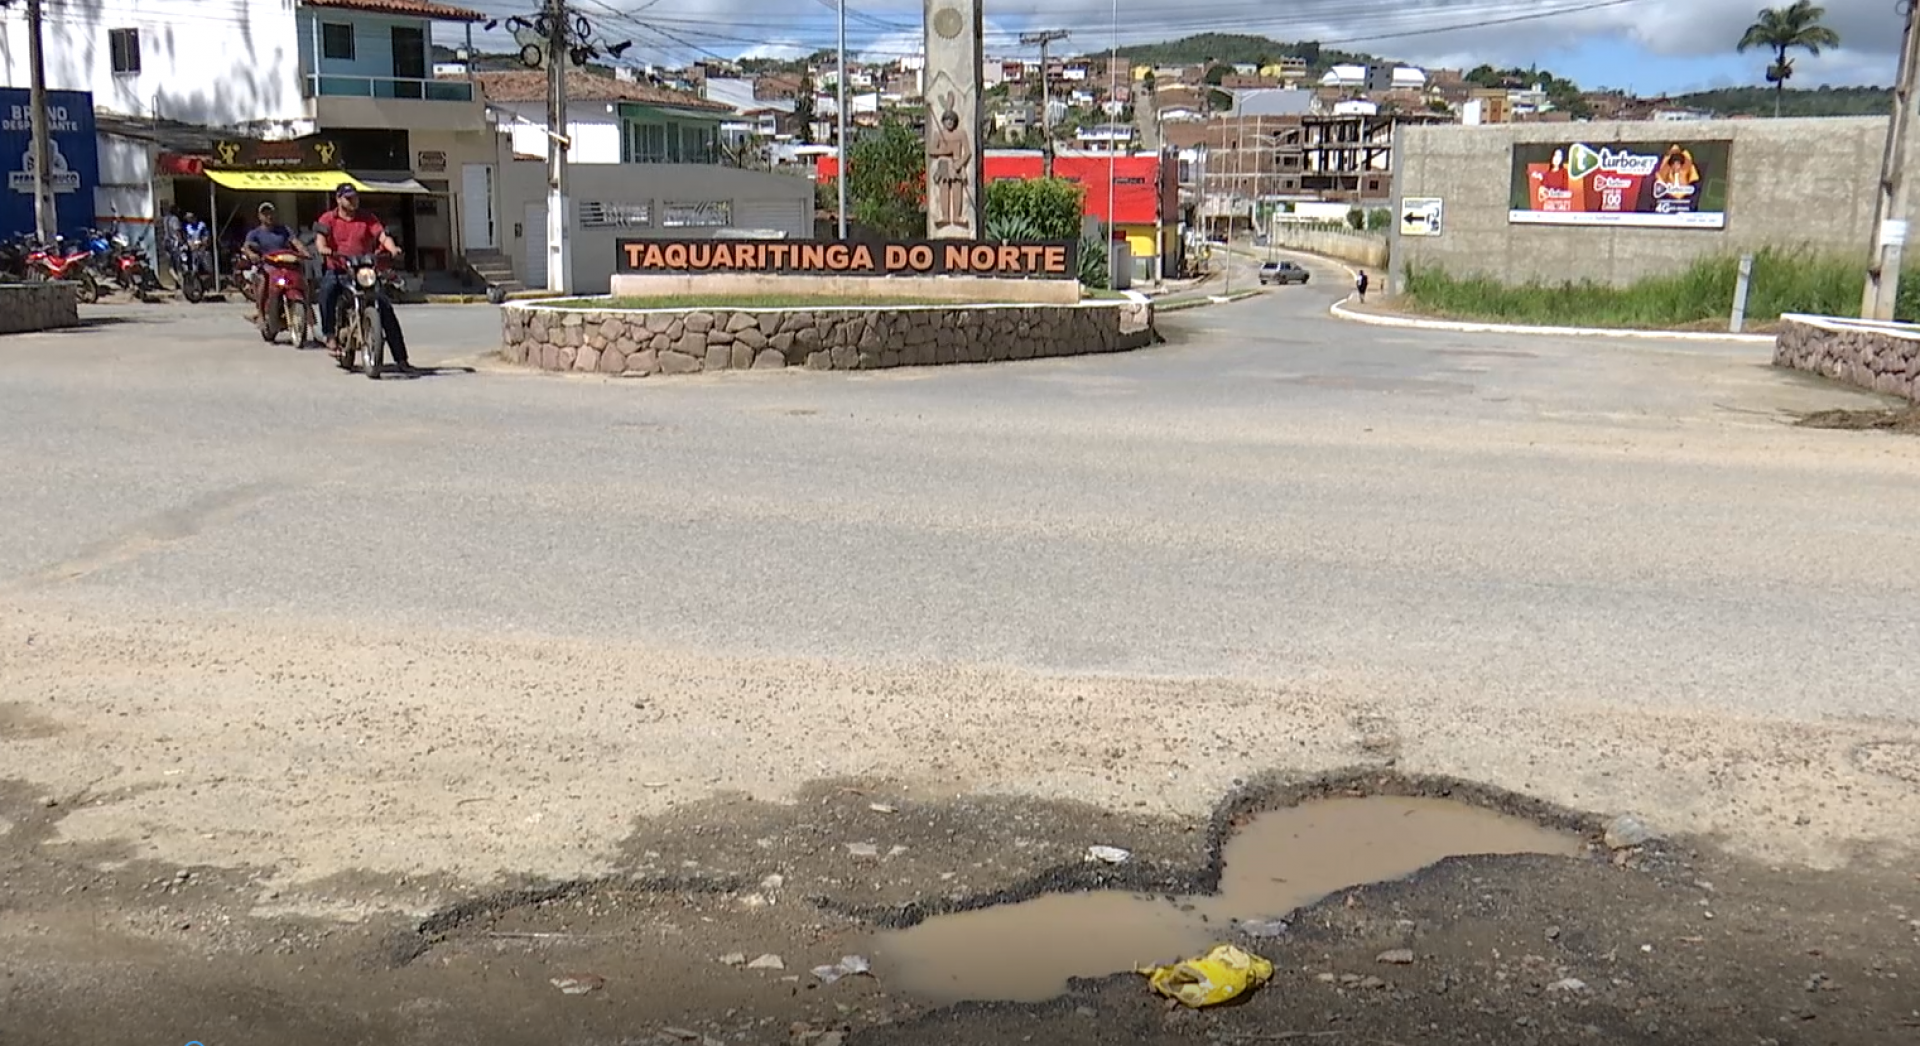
(709, 931)
(1904, 421)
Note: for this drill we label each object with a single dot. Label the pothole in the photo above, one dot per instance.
(1280, 861)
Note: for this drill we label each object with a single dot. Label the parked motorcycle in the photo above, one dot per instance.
(286, 309)
(13, 256)
(192, 269)
(362, 339)
(70, 263)
(128, 267)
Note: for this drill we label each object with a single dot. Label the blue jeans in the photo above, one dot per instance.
(332, 286)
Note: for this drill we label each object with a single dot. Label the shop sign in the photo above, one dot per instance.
(1049, 260)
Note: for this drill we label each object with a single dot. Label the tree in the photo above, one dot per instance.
(887, 181)
(803, 110)
(1781, 29)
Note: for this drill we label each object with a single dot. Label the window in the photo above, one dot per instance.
(646, 143)
(125, 45)
(706, 214)
(596, 215)
(336, 41)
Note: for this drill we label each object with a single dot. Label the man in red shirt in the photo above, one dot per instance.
(349, 232)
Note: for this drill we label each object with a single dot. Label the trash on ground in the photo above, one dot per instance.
(767, 962)
(1568, 984)
(1627, 831)
(883, 808)
(1264, 927)
(579, 983)
(1224, 973)
(773, 881)
(863, 850)
(1396, 957)
(1108, 854)
(734, 959)
(848, 966)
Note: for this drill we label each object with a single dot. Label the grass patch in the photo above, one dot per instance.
(1698, 297)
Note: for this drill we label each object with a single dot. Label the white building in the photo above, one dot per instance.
(609, 120)
(1345, 76)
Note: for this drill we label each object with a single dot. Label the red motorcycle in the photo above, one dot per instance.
(71, 264)
(286, 308)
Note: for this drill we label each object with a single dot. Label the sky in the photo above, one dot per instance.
(1648, 46)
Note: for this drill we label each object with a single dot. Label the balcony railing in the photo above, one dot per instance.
(389, 87)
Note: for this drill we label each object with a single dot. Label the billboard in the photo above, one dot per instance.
(1664, 185)
(73, 155)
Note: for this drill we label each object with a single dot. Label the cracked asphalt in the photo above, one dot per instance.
(352, 654)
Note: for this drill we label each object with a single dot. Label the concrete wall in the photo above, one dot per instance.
(759, 200)
(1884, 357)
(1793, 183)
(593, 128)
(640, 343)
(1365, 249)
(28, 307)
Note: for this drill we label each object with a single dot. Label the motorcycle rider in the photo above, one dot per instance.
(346, 231)
(198, 239)
(270, 237)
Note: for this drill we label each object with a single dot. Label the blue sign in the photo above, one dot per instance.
(73, 154)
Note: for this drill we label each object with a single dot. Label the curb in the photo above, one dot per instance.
(1340, 311)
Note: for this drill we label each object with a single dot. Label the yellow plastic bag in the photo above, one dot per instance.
(1224, 973)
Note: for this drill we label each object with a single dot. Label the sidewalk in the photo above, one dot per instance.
(1377, 314)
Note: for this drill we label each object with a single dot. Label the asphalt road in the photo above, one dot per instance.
(1467, 537)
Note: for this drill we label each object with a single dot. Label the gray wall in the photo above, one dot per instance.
(760, 200)
(1792, 183)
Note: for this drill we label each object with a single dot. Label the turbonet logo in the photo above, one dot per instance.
(1583, 160)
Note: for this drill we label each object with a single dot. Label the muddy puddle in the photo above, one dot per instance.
(1283, 859)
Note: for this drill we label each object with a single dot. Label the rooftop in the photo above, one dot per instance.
(421, 8)
(530, 85)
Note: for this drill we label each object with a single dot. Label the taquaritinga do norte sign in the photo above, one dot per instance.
(1049, 260)
(1668, 185)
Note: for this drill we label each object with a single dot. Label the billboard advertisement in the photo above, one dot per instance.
(72, 155)
(1662, 185)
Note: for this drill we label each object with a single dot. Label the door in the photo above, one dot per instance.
(534, 242)
(476, 207)
(409, 62)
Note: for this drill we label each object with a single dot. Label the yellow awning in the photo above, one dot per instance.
(284, 181)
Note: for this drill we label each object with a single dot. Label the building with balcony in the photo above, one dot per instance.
(609, 119)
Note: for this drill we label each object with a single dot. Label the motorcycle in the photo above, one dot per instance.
(128, 267)
(13, 256)
(60, 262)
(191, 269)
(286, 307)
(357, 328)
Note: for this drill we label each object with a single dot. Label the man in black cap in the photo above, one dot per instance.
(349, 232)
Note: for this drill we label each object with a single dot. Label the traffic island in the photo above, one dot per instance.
(601, 336)
(28, 307)
(1883, 357)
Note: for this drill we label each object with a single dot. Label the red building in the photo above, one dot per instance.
(1145, 194)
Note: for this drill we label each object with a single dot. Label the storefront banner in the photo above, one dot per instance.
(1674, 185)
(73, 160)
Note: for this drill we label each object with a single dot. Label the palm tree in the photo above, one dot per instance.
(1780, 29)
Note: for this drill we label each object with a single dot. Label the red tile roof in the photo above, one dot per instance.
(420, 8)
(530, 85)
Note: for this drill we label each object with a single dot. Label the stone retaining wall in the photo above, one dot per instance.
(37, 307)
(643, 342)
(1884, 357)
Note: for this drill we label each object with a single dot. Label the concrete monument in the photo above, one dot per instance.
(952, 88)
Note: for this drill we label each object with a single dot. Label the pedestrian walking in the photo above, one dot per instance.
(1360, 286)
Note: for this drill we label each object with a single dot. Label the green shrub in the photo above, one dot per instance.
(1782, 281)
(1093, 262)
(1051, 207)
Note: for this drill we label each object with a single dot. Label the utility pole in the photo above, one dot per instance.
(559, 257)
(1891, 202)
(840, 116)
(1043, 38)
(45, 224)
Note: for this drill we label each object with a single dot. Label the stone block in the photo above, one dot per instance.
(514, 352)
(643, 363)
(677, 327)
(679, 363)
(769, 359)
(565, 360)
(699, 322)
(612, 361)
(691, 344)
(572, 318)
(741, 321)
(819, 361)
(807, 339)
(782, 341)
(751, 337)
(587, 358)
(613, 328)
(742, 356)
(719, 357)
(660, 342)
(845, 357)
(717, 336)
